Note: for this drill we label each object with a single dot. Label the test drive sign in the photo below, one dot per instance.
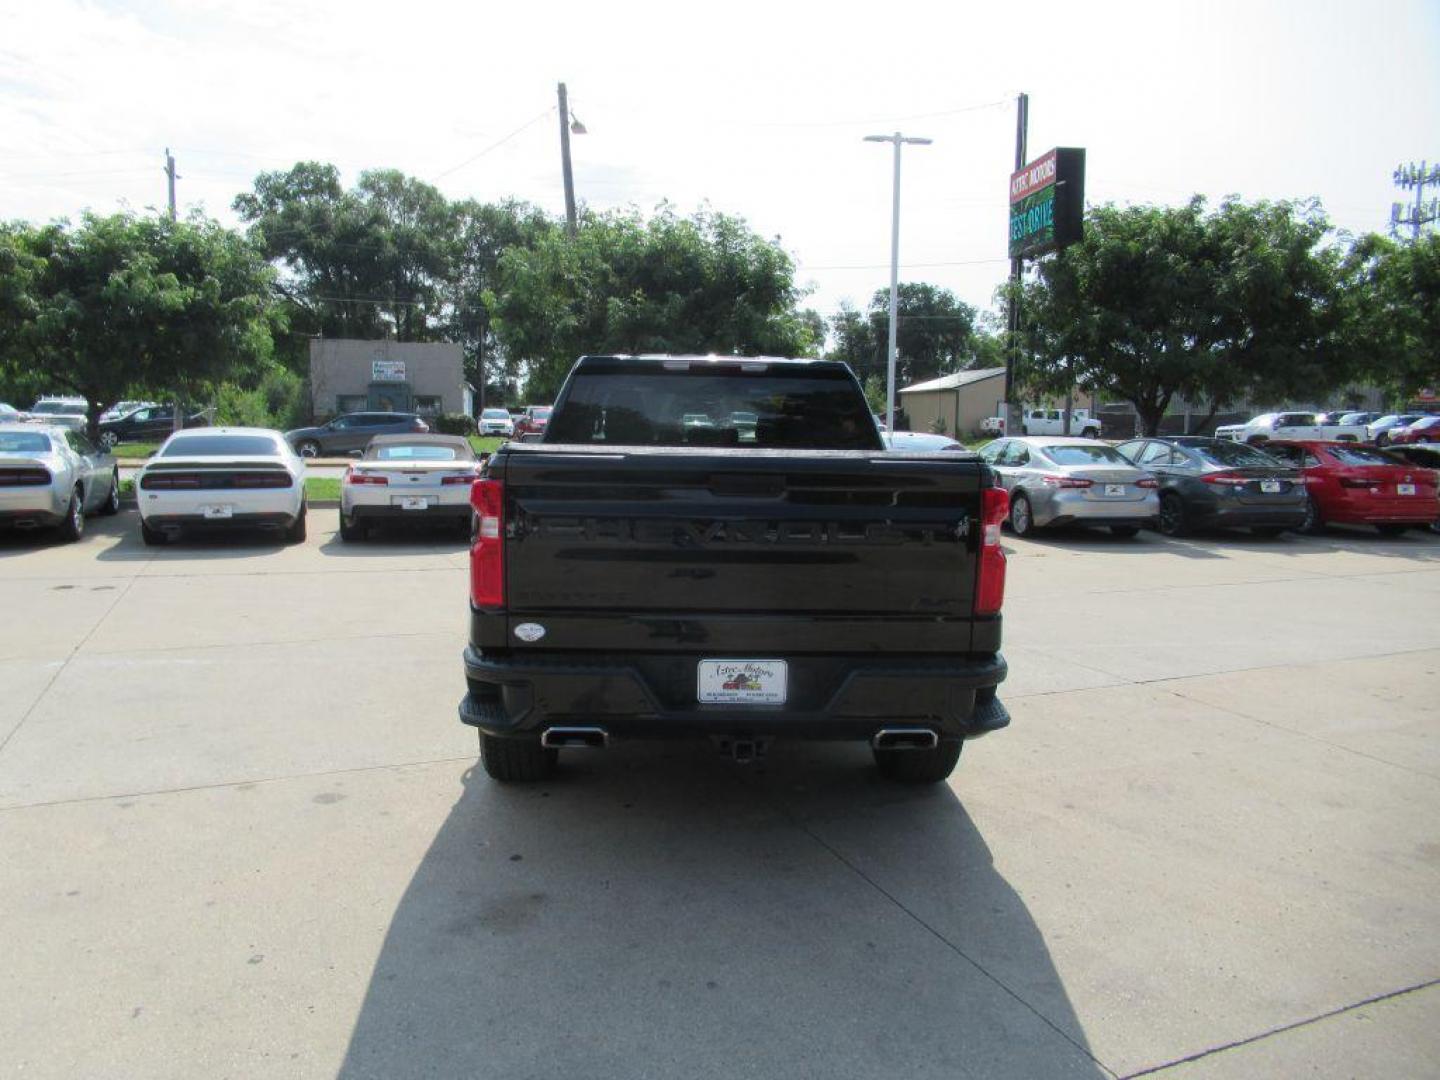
(1047, 203)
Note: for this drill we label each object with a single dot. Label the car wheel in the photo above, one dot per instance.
(308, 448)
(1269, 532)
(1126, 531)
(350, 531)
(108, 439)
(296, 533)
(1172, 515)
(1391, 529)
(1381, 439)
(1314, 524)
(111, 505)
(73, 527)
(919, 766)
(516, 759)
(152, 537)
(1022, 520)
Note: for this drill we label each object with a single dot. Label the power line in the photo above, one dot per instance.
(493, 146)
(903, 266)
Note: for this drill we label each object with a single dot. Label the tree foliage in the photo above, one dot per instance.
(1158, 303)
(128, 304)
(699, 284)
(936, 334)
(1400, 311)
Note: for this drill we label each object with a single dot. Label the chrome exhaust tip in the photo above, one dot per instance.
(906, 738)
(568, 738)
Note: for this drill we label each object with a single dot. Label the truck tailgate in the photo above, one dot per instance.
(750, 551)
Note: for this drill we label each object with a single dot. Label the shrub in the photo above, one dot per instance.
(453, 424)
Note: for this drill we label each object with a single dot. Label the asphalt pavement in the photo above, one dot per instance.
(243, 835)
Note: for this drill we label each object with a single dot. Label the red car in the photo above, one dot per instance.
(1424, 430)
(534, 420)
(1361, 485)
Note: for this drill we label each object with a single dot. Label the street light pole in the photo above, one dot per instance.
(568, 125)
(897, 139)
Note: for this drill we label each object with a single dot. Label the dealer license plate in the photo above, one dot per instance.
(1114, 489)
(414, 502)
(1404, 489)
(1270, 487)
(217, 513)
(742, 682)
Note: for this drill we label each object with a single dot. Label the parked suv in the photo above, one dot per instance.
(154, 423)
(351, 433)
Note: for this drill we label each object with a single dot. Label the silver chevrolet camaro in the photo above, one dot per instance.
(1057, 480)
(408, 479)
(51, 477)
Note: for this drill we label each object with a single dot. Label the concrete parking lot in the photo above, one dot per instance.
(243, 836)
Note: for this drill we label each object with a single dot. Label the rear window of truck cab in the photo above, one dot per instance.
(715, 405)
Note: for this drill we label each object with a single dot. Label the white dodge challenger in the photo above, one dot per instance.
(221, 478)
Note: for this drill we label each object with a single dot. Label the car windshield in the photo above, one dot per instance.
(24, 442)
(495, 414)
(820, 410)
(1230, 455)
(1363, 455)
(418, 452)
(1084, 454)
(221, 446)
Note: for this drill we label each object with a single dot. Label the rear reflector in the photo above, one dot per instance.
(1066, 481)
(990, 583)
(487, 553)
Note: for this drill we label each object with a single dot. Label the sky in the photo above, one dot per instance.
(756, 109)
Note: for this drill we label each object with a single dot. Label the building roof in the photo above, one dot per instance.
(954, 382)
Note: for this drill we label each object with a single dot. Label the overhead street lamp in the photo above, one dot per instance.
(569, 125)
(897, 139)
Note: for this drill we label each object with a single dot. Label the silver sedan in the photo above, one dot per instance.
(51, 477)
(1066, 481)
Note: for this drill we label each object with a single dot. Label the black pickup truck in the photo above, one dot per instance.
(721, 546)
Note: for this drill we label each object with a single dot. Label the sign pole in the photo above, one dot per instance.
(1017, 268)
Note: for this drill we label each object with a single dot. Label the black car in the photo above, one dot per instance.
(150, 423)
(352, 432)
(1219, 483)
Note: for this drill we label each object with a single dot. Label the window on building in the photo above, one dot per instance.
(427, 404)
(348, 403)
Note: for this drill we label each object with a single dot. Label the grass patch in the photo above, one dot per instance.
(486, 444)
(134, 451)
(322, 487)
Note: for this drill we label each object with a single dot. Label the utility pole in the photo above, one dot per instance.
(565, 161)
(1017, 269)
(898, 140)
(170, 180)
(1415, 177)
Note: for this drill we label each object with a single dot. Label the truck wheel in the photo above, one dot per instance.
(1022, 521)
(516, 760)
(919, 766)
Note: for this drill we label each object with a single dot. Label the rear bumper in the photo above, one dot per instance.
(198, 522)
(456, 512)
(654, 696)
(1242, 515)
(29, 519)
(1075, 508)
(1372, 511)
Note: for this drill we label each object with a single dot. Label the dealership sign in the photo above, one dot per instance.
(1047, 203)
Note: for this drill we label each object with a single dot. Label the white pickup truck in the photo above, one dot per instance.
(1291, 425)
(1052, 422)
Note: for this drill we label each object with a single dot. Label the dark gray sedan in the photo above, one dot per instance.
(352, 432)
(1214, 483)
(1060, 480)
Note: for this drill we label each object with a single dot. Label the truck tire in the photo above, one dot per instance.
(516, 760)
(919, 766)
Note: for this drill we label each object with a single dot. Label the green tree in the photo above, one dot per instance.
(125, 304)
(1158, 303)
(934, 331)
(1399, 312)
(699, 284)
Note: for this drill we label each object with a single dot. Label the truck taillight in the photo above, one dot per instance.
(990, 586)
(487, 553)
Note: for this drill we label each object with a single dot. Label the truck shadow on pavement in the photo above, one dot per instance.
(659, 911)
